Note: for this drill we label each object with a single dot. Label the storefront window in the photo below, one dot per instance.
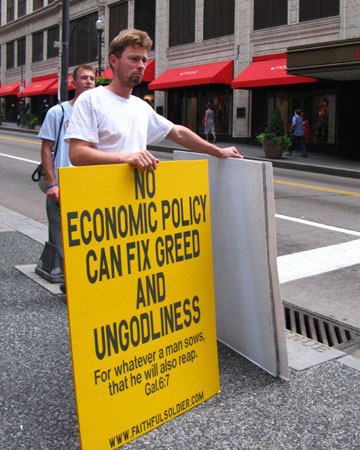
(318, 108)
(142, 92)
(324, 108)
(187, 107)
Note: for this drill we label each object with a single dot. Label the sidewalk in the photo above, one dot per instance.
(318, 408)
(316, 162)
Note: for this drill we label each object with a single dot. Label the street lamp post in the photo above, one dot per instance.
(100, 26)
(65, 50)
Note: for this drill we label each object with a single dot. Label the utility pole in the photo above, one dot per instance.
(65, 51)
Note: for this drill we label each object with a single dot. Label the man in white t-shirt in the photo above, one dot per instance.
(51, 132)
(110, 126)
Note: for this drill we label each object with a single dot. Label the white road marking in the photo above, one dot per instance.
(318, 261)
(308, 263)
(319, 225)
(20, 159)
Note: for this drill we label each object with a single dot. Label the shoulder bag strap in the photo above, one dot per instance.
(58, 137)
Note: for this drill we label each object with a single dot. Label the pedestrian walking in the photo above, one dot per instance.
(52, 134)
(306, 127)
(209, 124)
(297, 130)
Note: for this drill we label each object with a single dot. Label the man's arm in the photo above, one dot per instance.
(293, 124)
(48, 166)
(83, 154)
(187, 138)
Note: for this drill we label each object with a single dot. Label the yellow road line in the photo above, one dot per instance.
(288, 183)
(318, 188)
(20, 140)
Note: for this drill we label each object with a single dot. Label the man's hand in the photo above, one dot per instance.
(53, 193)
(229, 152)
(184, 136)
(143, 160)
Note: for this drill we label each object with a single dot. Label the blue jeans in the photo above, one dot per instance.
(53, 213)
(301, 140)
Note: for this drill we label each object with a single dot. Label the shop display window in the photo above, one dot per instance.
(187, 107)
(324, 108)
(318, 108)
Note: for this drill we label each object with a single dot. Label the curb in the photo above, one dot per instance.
(282, 164)
(19, 129)
(310, 168)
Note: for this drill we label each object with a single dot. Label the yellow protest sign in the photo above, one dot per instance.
(139, 280)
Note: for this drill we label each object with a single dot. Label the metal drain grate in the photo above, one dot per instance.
(319, 328)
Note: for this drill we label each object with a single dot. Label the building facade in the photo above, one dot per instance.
(244, 56)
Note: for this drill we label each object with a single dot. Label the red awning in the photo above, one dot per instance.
(107, 73)
(264, 71)
(37, 87)
(149, 73)
(53, 89)
(212, 73)
(10, 89)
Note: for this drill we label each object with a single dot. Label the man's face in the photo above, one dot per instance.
(85, 80)
(129, 69)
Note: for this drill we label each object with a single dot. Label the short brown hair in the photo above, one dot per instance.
(129, 37)
(82, 67)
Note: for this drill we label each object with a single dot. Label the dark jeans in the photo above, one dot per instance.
(53, 213)
(301, 140)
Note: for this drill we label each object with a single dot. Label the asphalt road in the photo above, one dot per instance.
(314, 212)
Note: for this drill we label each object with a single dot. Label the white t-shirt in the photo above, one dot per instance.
(50, 130)
(116, 124)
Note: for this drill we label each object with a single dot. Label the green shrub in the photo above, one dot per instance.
(274, 131)
(31, 119)
(275, 125)
(103, 81)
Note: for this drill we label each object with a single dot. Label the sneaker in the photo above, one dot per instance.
(305, 155)
(63, 288)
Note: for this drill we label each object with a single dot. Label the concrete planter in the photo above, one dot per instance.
(273, 150)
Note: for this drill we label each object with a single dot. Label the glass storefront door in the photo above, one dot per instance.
(187, 106)
(318, 106)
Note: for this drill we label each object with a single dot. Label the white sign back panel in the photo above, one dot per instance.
(249, 312)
